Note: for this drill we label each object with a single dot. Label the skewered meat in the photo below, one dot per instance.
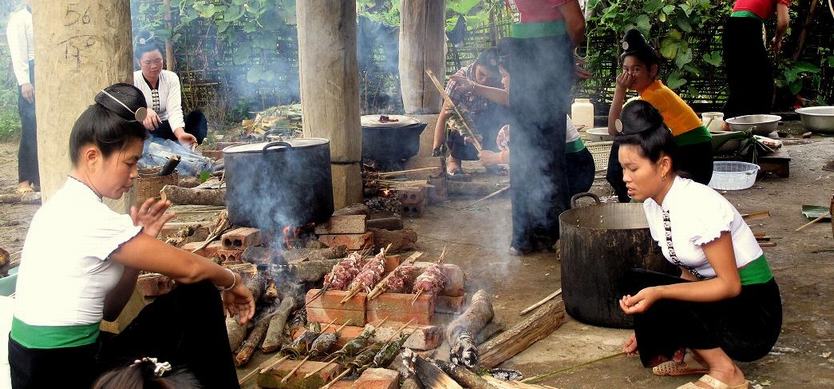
(322, 344)
(388, 352)
(400, 280)
(366, 356)
(370, 275)
(343, 272)
(432, 280)
(302, 344)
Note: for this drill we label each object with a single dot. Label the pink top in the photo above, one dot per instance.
(762, 8)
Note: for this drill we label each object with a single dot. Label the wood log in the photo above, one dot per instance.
(491, 329)
(244, 354)
(387, 223)
(461, 332)
(400, 240)
(301, 255)
(535, 327)
(432, 376)
(353, 209)
(464, 376)
(191, 196)
(421, 44)
(188, 182)
(411, 382)
(236, 332)
(275, 332)
(312, 271)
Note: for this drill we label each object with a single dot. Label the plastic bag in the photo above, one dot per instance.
(157, 151)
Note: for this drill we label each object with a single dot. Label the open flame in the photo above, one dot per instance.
(289, 236)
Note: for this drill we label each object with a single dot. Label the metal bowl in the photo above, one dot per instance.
(819, 119)
(599, 134)
(758, 124)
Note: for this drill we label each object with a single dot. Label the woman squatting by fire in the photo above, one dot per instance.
(92, 255)
(725, 305)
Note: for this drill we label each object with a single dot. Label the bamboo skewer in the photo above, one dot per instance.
(354, 291)
(404, 172)
(338, 377)
(295, 369)
(541, 302)
(756, 215)
(489, 196)
(382, 285)
(469, 132)
(284, 358)
(812, 222)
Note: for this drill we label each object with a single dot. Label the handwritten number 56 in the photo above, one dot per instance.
(74, 16)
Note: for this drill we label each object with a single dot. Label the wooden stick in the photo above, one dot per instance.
(489, 196)
(312, 373)
(397, 332)
(382, 285)
(756, 215)
(338, 377)
(264, 367)
(542, 301)
(541, 377)
(812, 222)
(469, 132)
(354, 291)
(295, 369)
(404, 172)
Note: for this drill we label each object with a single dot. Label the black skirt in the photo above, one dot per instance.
(745, 327)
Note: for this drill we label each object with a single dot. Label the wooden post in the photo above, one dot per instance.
(80, 47)
(170, 63)
(422, 33)
(329, 80)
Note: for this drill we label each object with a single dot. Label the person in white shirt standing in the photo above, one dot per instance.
(162, 94)
(22, 50)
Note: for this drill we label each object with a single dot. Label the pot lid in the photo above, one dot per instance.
(388, 121)
(259, 147)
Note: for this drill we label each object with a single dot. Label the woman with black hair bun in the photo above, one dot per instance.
(90, 256)
(641, 67)
(147, 373)
(477, 92)
(725, 305)
(162, 91)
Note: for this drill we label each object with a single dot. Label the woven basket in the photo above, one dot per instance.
(148, 186)
(600, 151)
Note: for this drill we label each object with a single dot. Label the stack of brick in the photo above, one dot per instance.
(346, 230)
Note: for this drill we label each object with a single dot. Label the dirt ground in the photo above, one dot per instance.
(477, 239)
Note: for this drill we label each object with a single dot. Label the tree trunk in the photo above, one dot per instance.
(462, 331)
(422, 39)
(191, 196)
(535, 327)
(81, 47)
(329, 80)
(275, 332)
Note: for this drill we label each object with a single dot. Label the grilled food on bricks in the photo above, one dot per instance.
(369, 276)
(342, 274)
(318, 348)
(351, 348)
(432, 281)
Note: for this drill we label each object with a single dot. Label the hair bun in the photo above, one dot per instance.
(639, 116)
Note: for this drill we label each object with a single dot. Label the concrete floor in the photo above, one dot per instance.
(477, 239)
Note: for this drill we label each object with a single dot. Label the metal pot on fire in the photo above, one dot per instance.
(390, 138)
(272, 185)
(598, 245)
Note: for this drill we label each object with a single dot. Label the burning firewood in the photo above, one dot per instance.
(369, 276)
(275, 333)
(432, 281)
(397, 280)
(461, 331)
(306, 254)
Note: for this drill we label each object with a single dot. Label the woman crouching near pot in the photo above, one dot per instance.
(726, 305)
(81, 260)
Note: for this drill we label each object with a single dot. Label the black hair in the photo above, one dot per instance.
(140, 375)
(147, 45)
(107, 124)
(642, 126)
(489, 60)
(635, 44)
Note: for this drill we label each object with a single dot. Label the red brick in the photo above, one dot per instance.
(391, 262)
(455, 276)
(352, 242)
(341, 316)
(208, 251)
(241, 238)
(347, 224)
(328, 307)
(412, 196)
(378, 379)
(397, 308)
(154, 284)
(272, 378)
(423, 337)
(449, 304)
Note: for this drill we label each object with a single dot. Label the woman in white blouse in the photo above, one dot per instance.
(163, 96)
(725, 306)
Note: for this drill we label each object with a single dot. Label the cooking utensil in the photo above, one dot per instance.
(598, 246)
(818, 119)
(272, 185)
(758, 124)
(598, 134)
(390, 141)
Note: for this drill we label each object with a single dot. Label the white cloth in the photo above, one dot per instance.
(571, 134)
(21, 43)
(170, 98)
(698, 216)
(65, 272)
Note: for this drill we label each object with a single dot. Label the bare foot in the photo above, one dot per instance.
(452, 166)
(24, 187)
(630, 346)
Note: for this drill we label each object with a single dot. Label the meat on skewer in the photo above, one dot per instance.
(351, 348)
(341, 275)
(432, 281)
(369, 276)
(318, 347)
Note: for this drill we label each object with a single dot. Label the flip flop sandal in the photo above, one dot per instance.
(22, 191)
(673, 368)
(713, 383)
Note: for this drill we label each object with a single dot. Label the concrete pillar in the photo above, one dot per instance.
(80, 47)
(329, 80)
(422, 38)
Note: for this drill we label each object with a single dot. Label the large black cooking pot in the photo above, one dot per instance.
(598, 245)
(390, 141)
(278, 184)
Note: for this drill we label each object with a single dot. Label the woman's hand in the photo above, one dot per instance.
(239, 301)
(151, 216)
(185, 139)
(625, 80)
(151, 121)
(640, 302)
